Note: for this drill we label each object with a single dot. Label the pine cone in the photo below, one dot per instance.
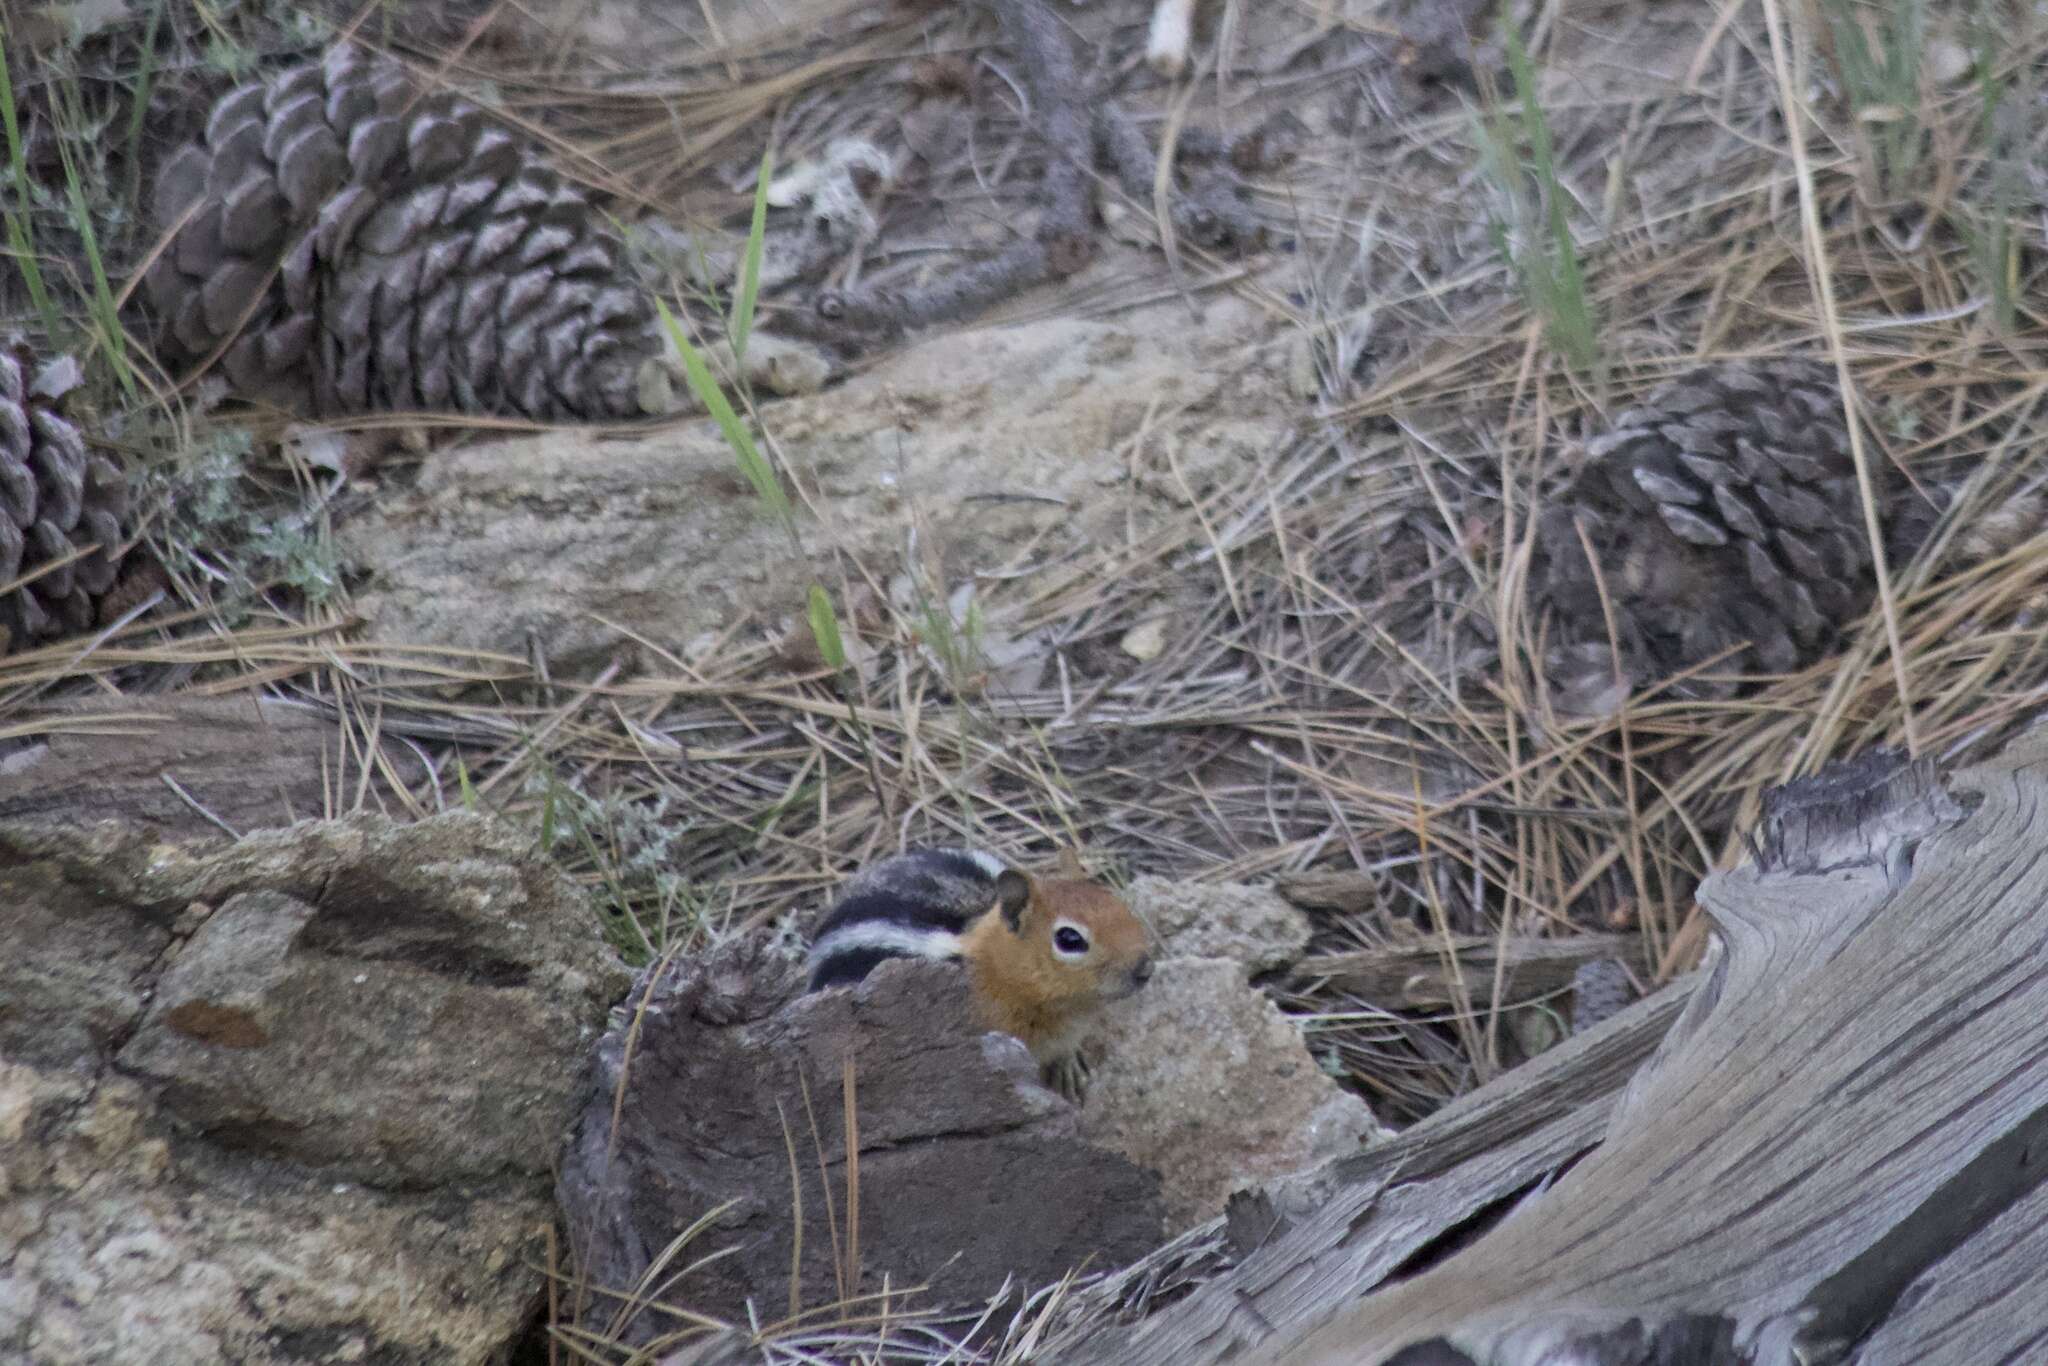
(365, 249)
(55, 500)
(1723, 510)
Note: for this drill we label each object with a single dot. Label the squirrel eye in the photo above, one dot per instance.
(1069, 942)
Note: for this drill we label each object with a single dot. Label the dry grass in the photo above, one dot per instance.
(1349, 676)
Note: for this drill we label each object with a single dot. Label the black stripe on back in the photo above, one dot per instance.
(917, 891)
(894, 906)
(848, 966)
(922, 889)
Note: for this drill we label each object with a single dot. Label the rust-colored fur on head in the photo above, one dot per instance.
(1052, 950)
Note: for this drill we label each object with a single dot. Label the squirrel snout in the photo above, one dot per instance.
(1141, 971)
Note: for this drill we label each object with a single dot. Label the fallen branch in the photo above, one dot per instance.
(1063, 243)
(1421, 975)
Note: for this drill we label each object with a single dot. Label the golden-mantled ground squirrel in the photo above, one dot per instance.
(1042, 954)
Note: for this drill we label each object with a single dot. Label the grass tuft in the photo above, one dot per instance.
(14, 203)
(1534, 234)
(1877, 50)
(752, 463)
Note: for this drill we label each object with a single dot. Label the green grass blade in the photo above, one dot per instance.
(547, 819)
(1535, 128)
(1548, 267)
(825, 629)
(20, 240)
(750, 265)
(105, 314)
(751, 462)
(138, 107)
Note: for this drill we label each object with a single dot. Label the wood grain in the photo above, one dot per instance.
(1833, 1154)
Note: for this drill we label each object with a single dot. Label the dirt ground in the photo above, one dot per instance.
(1213, 558)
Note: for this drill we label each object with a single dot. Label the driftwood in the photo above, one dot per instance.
(1305, 1249)
(1832, 1155)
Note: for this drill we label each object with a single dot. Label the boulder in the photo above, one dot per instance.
(1203, 1080)
(189, 766)
(576, 544)
(1247, 924)
(293, 1098)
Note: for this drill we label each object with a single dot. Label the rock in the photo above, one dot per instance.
(250, 763)
(545, 540)
(573, 541)
(293, 1099)
(1207, 1083)
(1255, 926)
(1146, 640)
(961, 1151)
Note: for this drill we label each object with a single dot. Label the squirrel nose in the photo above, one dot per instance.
(1142, 973)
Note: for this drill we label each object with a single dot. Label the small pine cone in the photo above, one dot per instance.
(56, 499)
(355, 249)
(1723, 510)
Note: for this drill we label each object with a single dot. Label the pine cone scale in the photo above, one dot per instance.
(243, 104)
(1689, 526)
(1737, 514)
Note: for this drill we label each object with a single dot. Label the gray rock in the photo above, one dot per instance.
(573, 542)
(1255, 926)
(293, 1099)
(1204, 1081)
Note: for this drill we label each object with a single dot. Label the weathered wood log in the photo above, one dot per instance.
(1310, 1246)
(1833, 1154)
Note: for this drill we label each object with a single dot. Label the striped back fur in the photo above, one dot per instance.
(913, 905)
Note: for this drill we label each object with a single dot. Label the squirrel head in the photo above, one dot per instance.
(1065, 939)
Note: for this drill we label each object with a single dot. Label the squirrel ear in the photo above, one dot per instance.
(1070, 865)
(1013, 894)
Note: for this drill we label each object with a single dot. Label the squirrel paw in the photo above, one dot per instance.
(1068, 1076)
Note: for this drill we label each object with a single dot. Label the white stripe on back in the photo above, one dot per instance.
(891, 938)
(984, 860)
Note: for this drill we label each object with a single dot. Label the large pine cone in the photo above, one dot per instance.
(368, 248)
(56, 499)
(1722, 510)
